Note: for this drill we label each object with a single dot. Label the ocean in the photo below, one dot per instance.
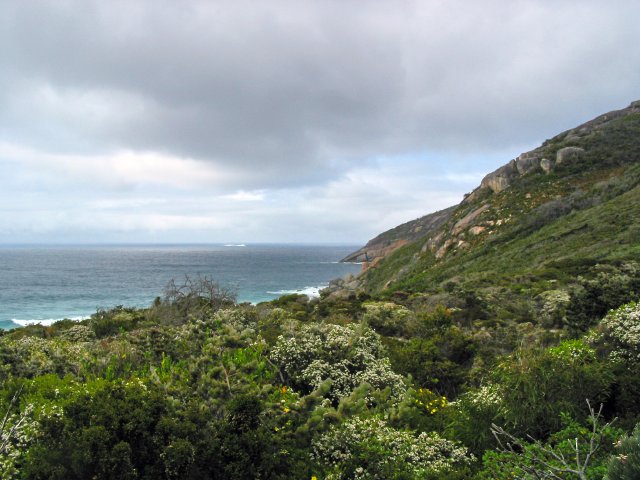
(42, 284)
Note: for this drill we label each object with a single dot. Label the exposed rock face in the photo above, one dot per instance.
(469, 219)
(528, 162)
(387, 242)
(443, 249)
(477, 230)
(568, 154)
(501, 178)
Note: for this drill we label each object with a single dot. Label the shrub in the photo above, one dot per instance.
(17, 432)
(104, 432)
(620, 331)
(197, 298)
(539, 385)
(577, 452)
(593, 298)
(471, 416)
(105, 323)
(371, 449)
(347, 356)
(625, 464)
(387, 318)
(33, 356)
(552, 308)
(78, 333)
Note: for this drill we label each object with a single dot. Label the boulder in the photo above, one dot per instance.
(443, 249)
(501, 178)
(526, 164)
(546, 165)
(568, 154)
(469, 218)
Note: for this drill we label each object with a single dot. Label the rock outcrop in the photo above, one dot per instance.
(568, 154)
(391, 240)
(528, 162)
(461, 226)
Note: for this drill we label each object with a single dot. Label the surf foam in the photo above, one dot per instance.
(308, 291)
(46, 321)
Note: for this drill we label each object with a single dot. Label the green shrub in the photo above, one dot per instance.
(369, 449)
(387, 318)
(539, 385)
(625, 463)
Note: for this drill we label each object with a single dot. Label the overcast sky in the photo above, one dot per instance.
(284, 121)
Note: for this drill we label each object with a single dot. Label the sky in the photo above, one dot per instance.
(190, 121)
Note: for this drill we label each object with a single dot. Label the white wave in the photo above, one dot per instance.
(235, 245)
(308, 291)
(47, 321)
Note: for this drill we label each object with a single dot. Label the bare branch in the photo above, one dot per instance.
(539, 456)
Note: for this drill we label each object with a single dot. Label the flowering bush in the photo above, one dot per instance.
(347, 356)
(370, 449)
(621, 331)
(237, 318)
(472, 414)
(32, 356)
(18, 431)
(78, 333)
(387, 318)
(573, 352)
(552, 307)
(429, 401)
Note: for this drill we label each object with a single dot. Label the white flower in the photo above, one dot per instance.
(347, 356)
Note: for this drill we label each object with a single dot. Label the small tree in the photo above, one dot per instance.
(198, 297)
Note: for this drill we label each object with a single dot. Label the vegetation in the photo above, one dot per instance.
(511, 352)
(254, 392)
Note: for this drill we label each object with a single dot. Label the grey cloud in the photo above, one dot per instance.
(283, 93)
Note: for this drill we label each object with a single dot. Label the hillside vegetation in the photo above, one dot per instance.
(497, 339)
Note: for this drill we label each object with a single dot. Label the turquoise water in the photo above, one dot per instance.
(43, 284)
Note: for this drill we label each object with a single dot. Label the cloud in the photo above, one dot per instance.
(246, 102)
(119, 169)
(242, 196)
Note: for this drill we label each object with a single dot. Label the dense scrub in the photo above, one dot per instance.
(300, 389)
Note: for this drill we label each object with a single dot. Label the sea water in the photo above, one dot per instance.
(42, 284)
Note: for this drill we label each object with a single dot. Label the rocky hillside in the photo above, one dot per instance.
(573, 202)
(385, 243)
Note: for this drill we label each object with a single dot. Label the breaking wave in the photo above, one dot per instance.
(46, 321)
(308, 291)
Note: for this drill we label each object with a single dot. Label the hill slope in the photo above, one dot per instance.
(565, 209)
